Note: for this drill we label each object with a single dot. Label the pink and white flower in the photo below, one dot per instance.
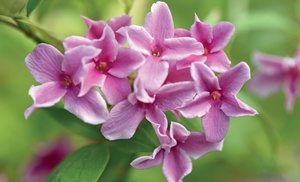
(275, 71)
(48, 66)
(216, 101)
(175, 154)
(214, 39)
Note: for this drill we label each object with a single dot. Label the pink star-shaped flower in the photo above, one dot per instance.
(216, 101)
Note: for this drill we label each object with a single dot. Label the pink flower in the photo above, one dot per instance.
(216, 100)
(175, 155)
(47, 157)
(275, 71)
(50, 68)
(214, 40)
(157, 41)
(149, 102)
(95, 28)
(108, 70)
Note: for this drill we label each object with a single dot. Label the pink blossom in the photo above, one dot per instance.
(48, 66)
(176, 152)
(108, 70)
(216, 101)
(46, 158)
(214, 39)
(157, 41)
(96, 28)
(148, 101)
(274, 71)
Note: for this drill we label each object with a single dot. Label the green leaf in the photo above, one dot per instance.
(127, 5)
(144, 140)
(85, 164)
(31, 5)
(118, 166)
(13, 8)
(74, 124)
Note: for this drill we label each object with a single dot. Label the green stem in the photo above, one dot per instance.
(18, 25)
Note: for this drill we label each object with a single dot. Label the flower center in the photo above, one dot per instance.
(66, 81)
(102, 66)
(205, 52)
(215, 95)
(156, 54)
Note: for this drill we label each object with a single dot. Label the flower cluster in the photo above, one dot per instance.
(162, 69)
(275, 71)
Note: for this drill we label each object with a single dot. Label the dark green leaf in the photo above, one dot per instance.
(85, 164)
(144, 140)
(118, 166)
(13, 8)
(127, 5)
(31, 5)
(74, 124)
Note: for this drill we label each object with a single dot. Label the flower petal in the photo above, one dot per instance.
(187, 62)
(180, 32)
(91, 107)
(160, 124)
(159, 22)
(269, 64)
(196, 145)
(264, 85)
(199, 107)
(93, 78)
(176, 164)
(108, 44)
(138, 38)
(178, 132)
(222, 33)
(126, 62)
(205, 79)
(122, 121)
(75, 61)
(233, 107)
(153, 73)
(44, 63)
(178, 75)
(232, 80)
(118, 22)
(74, 41)
(215, 124)
(176, 49)
(145, 162)
(115, 89)
(173, 95)
(45, 95)
(95, 28)
(291, 90)
(218, 61)
(201, 31)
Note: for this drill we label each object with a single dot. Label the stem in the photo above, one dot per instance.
(18, 25)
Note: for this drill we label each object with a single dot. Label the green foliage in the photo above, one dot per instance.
(144, 140)
(74, 124)
(85, 164)
(13, 8)
(127, 5)
(31, 5)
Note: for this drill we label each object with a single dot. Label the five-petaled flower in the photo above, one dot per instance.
(50, 68)
(274, 71)
(216, 101)
(175, 152)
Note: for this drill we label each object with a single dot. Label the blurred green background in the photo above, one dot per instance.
(261, 148)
